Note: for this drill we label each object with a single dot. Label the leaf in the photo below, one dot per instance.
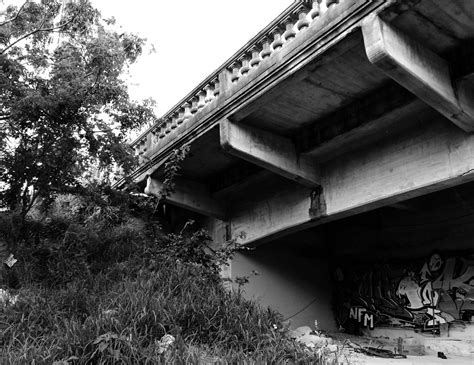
(103, 346)
(115, 354)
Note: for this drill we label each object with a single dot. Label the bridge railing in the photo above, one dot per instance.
(287, 26)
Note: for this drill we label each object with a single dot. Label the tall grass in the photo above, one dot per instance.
(107, 294)
(106, 320)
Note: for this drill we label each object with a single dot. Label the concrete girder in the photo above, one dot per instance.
(190, 195)
(269, 151)
(419, 70)
(418, 162)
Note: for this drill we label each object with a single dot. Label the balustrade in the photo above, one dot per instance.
(300, 16)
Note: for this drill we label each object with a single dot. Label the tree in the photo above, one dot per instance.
(64, 105)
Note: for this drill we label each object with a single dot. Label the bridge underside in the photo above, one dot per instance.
(379, 115)
(350, 153)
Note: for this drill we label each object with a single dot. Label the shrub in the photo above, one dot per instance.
(105, 320)
(106, 287)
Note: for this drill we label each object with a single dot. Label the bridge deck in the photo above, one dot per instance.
(362, 103)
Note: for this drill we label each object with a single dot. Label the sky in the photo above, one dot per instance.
(191, 39)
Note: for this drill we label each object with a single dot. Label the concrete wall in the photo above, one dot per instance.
(290, 276)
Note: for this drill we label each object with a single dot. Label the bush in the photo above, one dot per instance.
(106, 287)
(106, 320)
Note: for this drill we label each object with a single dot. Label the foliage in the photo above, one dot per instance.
(64, 106)
(101, 286)
(123, 320)
(172, 167)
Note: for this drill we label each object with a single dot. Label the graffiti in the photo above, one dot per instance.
(421, 295)
(361, 315)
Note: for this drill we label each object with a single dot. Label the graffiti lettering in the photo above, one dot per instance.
(423, 296)
(361, 315)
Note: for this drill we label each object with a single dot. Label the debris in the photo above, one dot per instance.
(441, 355)
(109, 313)
(165, 342)
(10, 261)
(6, 298)
(332, 348)
(375, 351)
(310, 338)
(300, 331)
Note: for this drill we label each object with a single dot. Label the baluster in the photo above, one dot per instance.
(244, 60)
(163, 127)
(303, 21)
(175, 119)
(169, 123)
(323, 6)
(186, 111)
(180, 118)
(255, 61)
(277, 41)
(314, 12)
(290, 31)
(217, 87)
(174, 124)
(148, 141)
(209, 97)
(266, 47)
(329, 3)
(194, 105)
(201, 102)
(235, 71)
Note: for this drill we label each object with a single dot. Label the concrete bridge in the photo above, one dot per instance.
(337, 114)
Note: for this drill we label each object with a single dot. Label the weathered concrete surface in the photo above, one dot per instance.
(420, 161)
(270, 151)
(289, 282)
(190, 195)
(420, 70)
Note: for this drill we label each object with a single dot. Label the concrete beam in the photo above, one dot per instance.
(189, 195)
(269, 151)
(419, 70)
(418, 162)
(358, 124)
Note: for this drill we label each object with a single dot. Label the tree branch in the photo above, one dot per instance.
(16, 16)
(39, 30)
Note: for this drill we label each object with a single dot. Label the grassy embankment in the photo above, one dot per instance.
(100, 286)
